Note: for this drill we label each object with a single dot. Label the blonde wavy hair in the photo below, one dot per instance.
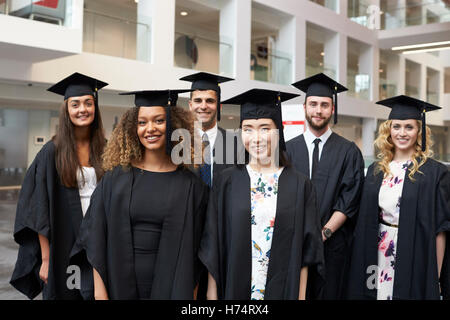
(125, 148)
(386, 149)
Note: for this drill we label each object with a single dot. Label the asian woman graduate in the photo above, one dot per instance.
(262, 230)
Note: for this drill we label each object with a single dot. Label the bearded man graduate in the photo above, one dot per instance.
(336, 168)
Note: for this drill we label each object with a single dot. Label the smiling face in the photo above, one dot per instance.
(258, 135)
(404, 134)
(203, 104)
(151, 127)
(81, 110)
(318, 112)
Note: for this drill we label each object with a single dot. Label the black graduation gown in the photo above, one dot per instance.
(106, 237)
(338, 184)
(48, 208)
(424, 212)
(220, 163)
(225, 247)
(220, 153)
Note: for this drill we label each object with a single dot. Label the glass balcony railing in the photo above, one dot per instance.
(330, 4)
(387, 89)
(357, 11)
(412, 91)
(414, 13)
(275, 67)
(115, 36)
(433, 98)
(50, 11)
(313, 67)
(358, 84)
(204, 54)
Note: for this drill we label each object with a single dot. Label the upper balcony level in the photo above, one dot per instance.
(27, 26)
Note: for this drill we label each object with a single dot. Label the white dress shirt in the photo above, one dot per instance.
(309, 139)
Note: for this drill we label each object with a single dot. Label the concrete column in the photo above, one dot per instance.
(285, 44)
(242, 36)
(342, 54)
(299, 56)
(228, 24)
(423, 82)
(401, 75)
(342, 7)
(369, 128)
(331, 48)
(160, 41)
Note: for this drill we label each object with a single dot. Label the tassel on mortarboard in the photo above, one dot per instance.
(424, 130)
(168, 126)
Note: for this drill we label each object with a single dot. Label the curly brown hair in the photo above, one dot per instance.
(386, 149)
(125, 148)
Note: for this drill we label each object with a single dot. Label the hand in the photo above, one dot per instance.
(43, 272)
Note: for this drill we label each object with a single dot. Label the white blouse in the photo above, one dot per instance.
(87, 186)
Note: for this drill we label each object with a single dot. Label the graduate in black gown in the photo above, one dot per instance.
(142, 231)
(262, 232)
(405, 226)
(51, 202)
(205, 104)
(220, 144)
(336, 168)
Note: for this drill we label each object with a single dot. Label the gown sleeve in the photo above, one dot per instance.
(351, 184)
(32, 218)
(313, 256)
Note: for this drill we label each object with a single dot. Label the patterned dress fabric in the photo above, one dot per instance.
(389, 199)
(264, 192)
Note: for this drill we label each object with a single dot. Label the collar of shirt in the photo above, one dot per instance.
(309, 140)
(212, 134)
(310, 137)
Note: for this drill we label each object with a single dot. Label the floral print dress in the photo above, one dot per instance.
(389, 199)
(263, 197)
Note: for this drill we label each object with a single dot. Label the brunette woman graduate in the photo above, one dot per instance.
(55, 195)
(262, 230)
(142, 230)
(404, 216)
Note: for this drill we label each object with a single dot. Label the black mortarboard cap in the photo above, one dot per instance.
(158, 98)
(262, 103)
(77, 85)
(406, 108)
(207, 81)
(321, 85)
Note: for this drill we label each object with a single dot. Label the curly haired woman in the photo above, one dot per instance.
(142, 231)
(404, 215)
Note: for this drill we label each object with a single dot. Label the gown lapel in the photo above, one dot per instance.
(74, 206)
(303, 159)
(241, 231)
(406, 236)
(282, 236)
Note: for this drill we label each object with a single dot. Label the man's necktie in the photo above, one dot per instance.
(205, 168)
(315, 162)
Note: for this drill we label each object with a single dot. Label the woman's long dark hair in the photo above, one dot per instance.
(66, 157)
